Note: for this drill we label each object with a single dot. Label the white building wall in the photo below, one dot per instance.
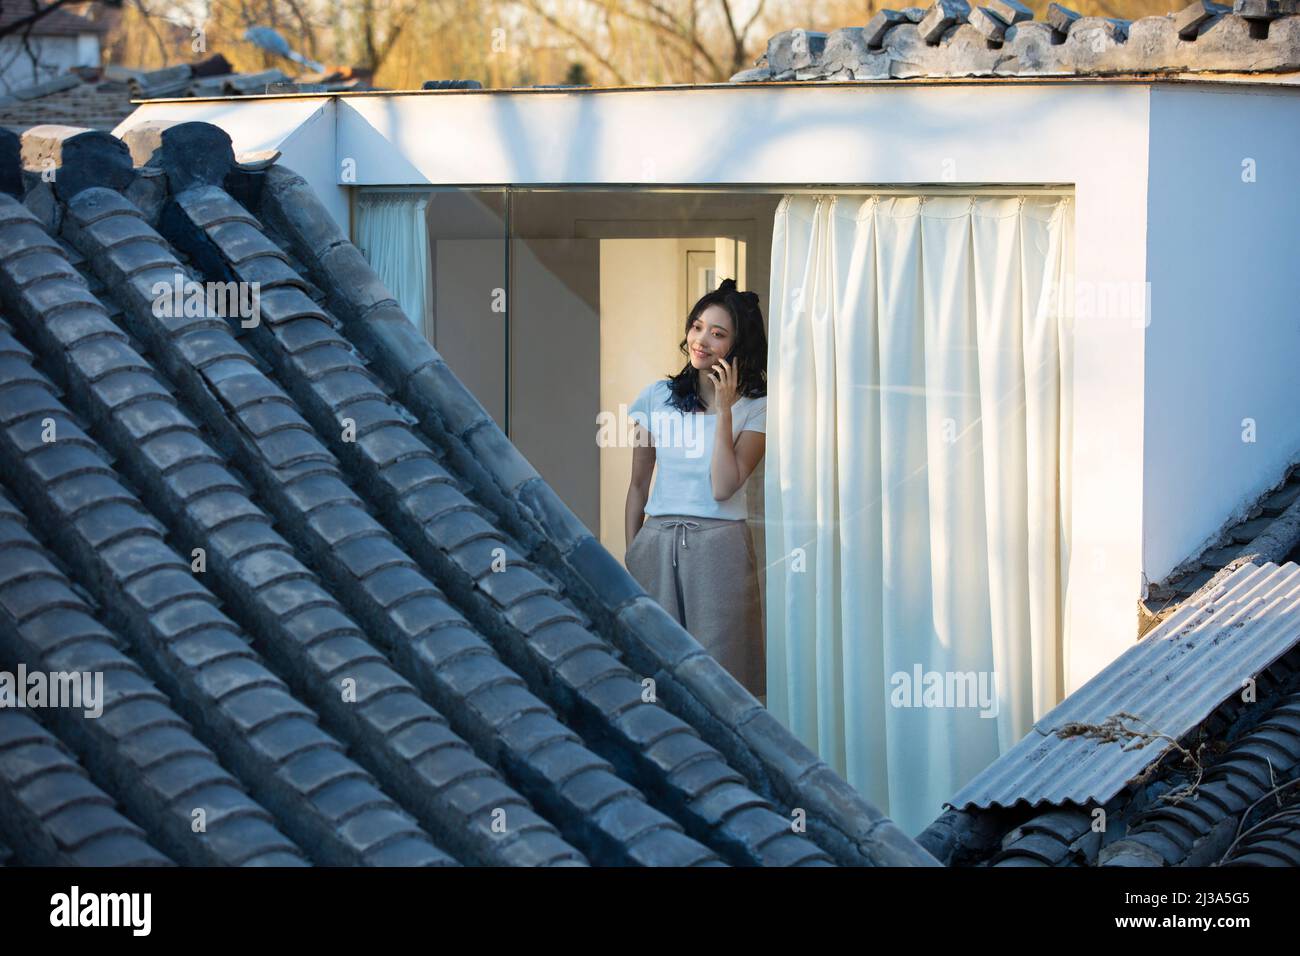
(301, 127)
(1093, 136)
(311, 152)
(88, 49)
(53, 56)
(1223, 347)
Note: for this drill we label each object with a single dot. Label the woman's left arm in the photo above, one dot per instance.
(733, 463)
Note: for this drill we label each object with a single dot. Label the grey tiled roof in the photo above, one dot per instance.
(952, 38)
(401, 647)
(51, 802)
(1195, 829)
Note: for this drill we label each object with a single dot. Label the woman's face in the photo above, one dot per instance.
(710, 337)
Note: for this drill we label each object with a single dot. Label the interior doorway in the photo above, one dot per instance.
(647, 288)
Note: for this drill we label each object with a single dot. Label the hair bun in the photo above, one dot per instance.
(727, 285)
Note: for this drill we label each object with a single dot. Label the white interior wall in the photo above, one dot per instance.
(469, 334)
(310, 150)
(467, 239)
(554, 364)
(1223, 345)
(640, 299)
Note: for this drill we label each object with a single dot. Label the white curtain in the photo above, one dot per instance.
(917, 481)
(394, 238)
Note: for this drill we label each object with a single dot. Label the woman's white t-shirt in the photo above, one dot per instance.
(684, 452)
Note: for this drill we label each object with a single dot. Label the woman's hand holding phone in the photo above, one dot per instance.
(726, 382)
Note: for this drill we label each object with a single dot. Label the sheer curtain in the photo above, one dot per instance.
(917, 492)
(394, 237)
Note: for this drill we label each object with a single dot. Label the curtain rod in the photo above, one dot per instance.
(936, 188)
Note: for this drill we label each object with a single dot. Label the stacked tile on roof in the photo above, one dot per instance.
(140, 747)
(339, 616)
(49, 799)
(951, 38)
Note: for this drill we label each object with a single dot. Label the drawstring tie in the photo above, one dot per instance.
(693, 525)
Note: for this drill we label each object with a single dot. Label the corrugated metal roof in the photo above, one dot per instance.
(1168, 682)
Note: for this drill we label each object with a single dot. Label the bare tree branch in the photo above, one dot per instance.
(686, 33)
(38, 13)
(673, 29)
(308, 33)
(579, 39)
(153, 28)
(394, 33)
(758, 12)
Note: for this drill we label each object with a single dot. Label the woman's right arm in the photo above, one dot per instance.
(638, 490)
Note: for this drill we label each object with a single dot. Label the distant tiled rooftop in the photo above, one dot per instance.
(952, 38)
(101, 99)
(56, 23)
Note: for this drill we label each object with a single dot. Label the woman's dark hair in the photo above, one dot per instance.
(749, 349)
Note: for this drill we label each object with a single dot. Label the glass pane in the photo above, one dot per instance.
(601, 284)
(467, 251)
(914, 496)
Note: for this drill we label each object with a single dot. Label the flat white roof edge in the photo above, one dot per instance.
(1261, 80)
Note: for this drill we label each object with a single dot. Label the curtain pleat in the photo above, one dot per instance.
(1005, 351)
(917, 481)
(824, 505)
(792, 520)
(394, 237)
(1042, 248)
(857, 482)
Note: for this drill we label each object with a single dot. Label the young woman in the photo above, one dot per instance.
(705, 428)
